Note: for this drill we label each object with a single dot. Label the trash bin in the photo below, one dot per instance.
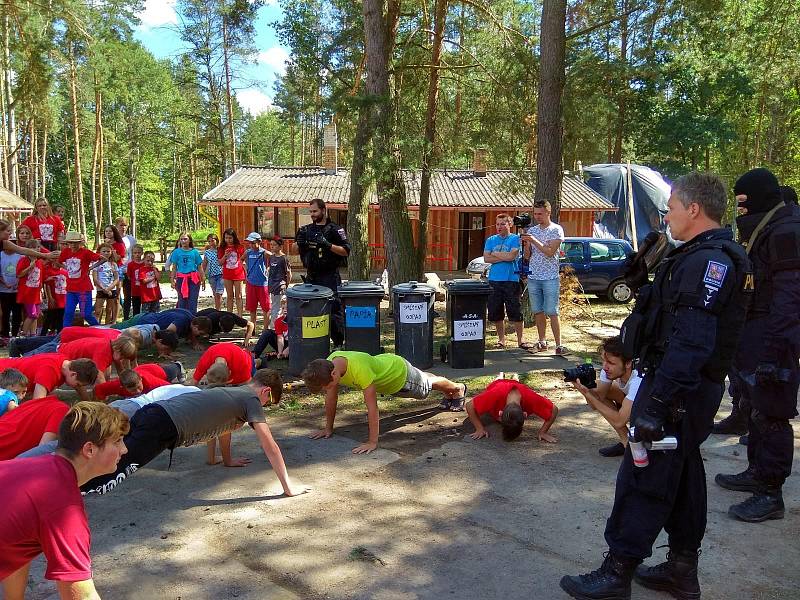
(413, 322)
(308, 315)
(362, 315)
(466, 323)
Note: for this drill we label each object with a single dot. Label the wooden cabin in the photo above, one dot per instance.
(463, 205)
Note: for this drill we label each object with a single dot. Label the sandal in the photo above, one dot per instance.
(527, 346)
(499, 346)
(457, 404)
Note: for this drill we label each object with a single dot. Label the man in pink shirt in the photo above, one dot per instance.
(44, 512)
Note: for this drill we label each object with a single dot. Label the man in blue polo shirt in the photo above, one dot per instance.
(502, 251)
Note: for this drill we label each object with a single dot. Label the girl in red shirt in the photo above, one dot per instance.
(44, 225)
(29, 290)
(136, 263)
(149, 278)
(55, 289)
(78, 261)
(230, 257)
(113, 238)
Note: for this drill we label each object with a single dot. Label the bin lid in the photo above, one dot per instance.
(308, 291)
(468, 287)
(369, 289)
(413, 287)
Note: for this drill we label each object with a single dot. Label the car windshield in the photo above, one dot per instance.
(601, 252)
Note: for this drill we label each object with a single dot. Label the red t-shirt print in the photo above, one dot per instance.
(98, 350)
(29, 290)
(148, 284)
(152, 376)
(47, 229)
(56, 281)
(77, 265)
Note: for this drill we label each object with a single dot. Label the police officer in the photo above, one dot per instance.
(682, 331)
(766, 364)
(323, 247)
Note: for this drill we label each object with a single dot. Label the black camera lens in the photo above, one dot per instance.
(583, 373)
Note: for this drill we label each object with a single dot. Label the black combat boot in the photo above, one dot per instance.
(745, 439)
(612, 581)
(740, 482)
(761, 506)
(610, 451)
(733, 424)
(678, 575)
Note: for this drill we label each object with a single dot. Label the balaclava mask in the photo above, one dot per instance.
(763, 193)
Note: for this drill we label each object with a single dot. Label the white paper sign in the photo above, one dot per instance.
(464, 331)
(413, 312)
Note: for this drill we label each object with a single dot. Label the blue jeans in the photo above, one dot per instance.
(189, 303)
(82, 299)
(544, 295)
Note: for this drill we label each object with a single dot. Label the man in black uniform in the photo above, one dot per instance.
(765, 368)
(683, 332)
(323, 247)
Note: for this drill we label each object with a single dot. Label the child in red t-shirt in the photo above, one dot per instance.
(223, 364)
(113, 238)
(29, 290)
(45, 226)
(78, 261)
(149, 277)
(510, 402)
(230, 257)
(133, 382)
(136, 263)
(55, 289)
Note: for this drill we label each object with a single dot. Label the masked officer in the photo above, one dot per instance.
(766, 368)
(683, 332)
(323, 247)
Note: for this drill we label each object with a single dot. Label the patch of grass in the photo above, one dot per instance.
(362, 554)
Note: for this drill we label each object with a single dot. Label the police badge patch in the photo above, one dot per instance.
(715, 274)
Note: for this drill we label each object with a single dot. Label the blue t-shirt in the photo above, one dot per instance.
(256, 266)
(6, 396)
(186, 261)
(180, 316)
(503, 271)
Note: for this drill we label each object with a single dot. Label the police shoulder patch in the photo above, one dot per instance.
(342, 234)
(715, 274)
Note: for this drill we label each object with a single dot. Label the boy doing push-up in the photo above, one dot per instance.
(387, 374)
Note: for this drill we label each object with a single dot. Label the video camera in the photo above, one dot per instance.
(521, 221)
(583, 373)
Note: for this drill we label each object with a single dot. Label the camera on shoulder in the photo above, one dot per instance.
(583, 373)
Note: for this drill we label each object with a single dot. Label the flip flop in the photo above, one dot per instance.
(527, 346)
(499, 346)
(457, 404)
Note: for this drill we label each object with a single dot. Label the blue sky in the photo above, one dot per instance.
(254, 82)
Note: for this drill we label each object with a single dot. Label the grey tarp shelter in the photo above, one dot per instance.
(650, 195)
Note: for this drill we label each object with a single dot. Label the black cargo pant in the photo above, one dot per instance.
(770, 448)
(152, 431)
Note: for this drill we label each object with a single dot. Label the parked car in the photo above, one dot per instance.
(597, 264)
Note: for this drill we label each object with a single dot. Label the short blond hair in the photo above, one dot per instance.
(91, 422)
(218, 373)
(126, 346)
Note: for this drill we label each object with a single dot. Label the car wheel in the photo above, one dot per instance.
(620, 292)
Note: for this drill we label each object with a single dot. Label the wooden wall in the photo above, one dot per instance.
(443, 230)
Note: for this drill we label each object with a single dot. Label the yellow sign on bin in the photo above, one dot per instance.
(314, 327)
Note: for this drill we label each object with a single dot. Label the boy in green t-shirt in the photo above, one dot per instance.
(387, 374)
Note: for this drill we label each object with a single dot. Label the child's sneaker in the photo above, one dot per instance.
(541, 345)
(182, 372)
(562, 351)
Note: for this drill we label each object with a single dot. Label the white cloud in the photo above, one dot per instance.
(254, 101)
(275, 58)
(157, 13)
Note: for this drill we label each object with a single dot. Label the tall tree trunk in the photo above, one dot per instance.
(76, 132)
(429, 150)
(549, 107)
(379, 32)
(292, 132)
(3, 127)
(11, 141)
(622, 85)
(228, 100)
(73, 207)
(358, 263)
(97, 208)
(174, 176)
(132, 188)
(43, 163)
(108, 188)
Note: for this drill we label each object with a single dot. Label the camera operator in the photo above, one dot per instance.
(613, 398)
(540, 246)
(683, 333)
(323, 247)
